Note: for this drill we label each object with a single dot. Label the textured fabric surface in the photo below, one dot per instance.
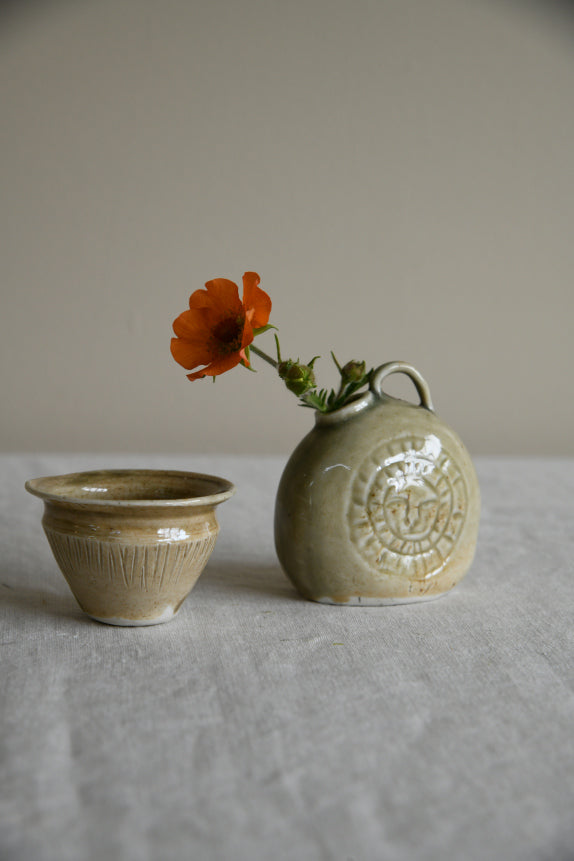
(257, 725)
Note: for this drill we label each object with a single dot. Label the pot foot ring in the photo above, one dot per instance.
(168, 614)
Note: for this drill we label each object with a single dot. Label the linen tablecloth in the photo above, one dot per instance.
(258, 725)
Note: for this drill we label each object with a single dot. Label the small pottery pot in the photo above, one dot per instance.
(379, 503)
(131, 543)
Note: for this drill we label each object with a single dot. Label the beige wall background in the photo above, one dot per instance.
(401, 175)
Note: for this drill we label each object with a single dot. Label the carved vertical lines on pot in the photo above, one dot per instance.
(145, 568)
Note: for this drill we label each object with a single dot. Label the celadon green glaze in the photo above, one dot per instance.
(379, 503)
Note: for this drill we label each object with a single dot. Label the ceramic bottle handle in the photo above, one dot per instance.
(401, 368)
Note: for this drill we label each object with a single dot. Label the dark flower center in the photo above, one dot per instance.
(228, 334)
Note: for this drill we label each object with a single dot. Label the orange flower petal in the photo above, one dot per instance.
(189, 354)
(221, 295)
(256, 302)
(218, 366)
(247, 334)
(194, 325)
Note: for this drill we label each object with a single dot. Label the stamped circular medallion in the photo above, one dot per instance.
(408, 505)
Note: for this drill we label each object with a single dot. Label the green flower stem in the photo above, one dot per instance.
(263, 355)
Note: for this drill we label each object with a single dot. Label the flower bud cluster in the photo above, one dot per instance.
(353, 372)
(297, 377)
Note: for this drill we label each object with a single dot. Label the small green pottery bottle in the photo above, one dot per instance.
(379, 503)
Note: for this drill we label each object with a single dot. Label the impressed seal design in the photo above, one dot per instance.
(408, 506)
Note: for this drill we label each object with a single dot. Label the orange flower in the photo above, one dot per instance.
(219, 326)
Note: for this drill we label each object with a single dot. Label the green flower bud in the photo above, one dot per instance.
(353, 372)
(297, 377)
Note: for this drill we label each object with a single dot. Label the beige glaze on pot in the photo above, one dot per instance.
(131, 543)
(379, 503)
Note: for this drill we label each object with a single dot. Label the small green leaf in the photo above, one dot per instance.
(262, 329)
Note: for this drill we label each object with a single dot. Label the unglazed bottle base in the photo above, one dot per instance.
(358, 601)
